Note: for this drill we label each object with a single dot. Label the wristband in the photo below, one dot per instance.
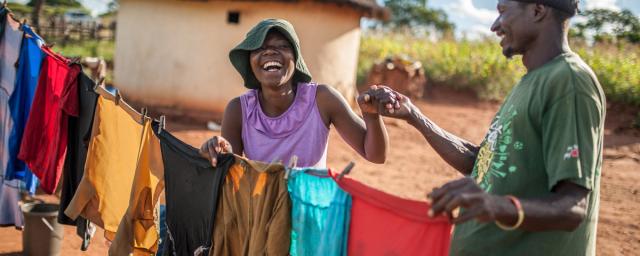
(515, 202)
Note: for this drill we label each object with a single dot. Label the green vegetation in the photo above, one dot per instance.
(92, 48)
(608, 26)
(68, 3)
(618, 69)
(481, 67)
(478, 66)
(50, 9)
(414, 14)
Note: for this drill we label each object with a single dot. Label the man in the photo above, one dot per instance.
(533, 183)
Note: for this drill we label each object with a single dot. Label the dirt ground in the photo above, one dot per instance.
(413, 168)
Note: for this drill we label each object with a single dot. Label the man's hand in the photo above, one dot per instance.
(385, 101)
(400, 106)
(370, 101)
(477, 204)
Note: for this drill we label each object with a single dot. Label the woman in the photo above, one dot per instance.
(284, 113)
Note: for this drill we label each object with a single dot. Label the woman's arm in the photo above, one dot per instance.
(231, 139)
(232, 125)
(368, 137)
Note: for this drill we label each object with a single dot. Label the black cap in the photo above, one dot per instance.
(568, 6)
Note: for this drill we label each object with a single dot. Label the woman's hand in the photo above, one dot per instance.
(370, 100)
(382, 100)
(214, 146)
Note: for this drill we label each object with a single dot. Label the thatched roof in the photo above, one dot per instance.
(368, 8)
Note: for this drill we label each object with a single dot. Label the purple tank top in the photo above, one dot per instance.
(299, 131)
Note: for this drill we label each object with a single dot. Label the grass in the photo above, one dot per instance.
(474, 65)
(481, 67)
(91, 48)
(618, 70)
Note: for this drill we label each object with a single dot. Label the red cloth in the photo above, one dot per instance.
(383, 224)
(44, 144)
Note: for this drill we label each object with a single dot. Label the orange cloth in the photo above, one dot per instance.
(138, 232)
(103, 194)
(254, 211)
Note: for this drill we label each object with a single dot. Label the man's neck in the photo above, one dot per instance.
(546, 47)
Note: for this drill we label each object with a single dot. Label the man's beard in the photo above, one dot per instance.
(508, 52)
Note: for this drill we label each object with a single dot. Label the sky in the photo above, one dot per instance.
(471, 17)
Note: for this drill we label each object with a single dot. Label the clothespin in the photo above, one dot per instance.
(98, 84)
(162, 124)
(293, 163)
(74, 60)
(346, 170)
(143, 113)
(13, 17)
(51, 45)
(118, 97)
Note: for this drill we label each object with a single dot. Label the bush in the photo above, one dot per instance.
(481, 67)
(91, 48)
(618, 70)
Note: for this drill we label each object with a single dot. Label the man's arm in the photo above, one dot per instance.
(564, 210)
(457, 152)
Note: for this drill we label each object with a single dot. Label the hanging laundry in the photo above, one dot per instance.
(44, 144)
(254, 212)
(10, 213)
(320, 212)
(138, 232)
(163, 229)
(192, 189)
(77, 145)
(116, 138)
(79, 130)
(29, 64)
(383, 224)
(10, 40)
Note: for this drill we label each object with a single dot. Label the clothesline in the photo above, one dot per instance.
(115, 161)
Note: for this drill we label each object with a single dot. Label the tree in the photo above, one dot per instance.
(606, 25)
(113, 6)
(35, 13)
(112, 9)
(65, 3)
(412, 14)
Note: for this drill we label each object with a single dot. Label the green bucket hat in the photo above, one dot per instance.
(239, 56)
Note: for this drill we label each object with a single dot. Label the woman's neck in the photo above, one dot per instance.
(276, 100)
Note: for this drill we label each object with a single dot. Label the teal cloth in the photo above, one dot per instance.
(320, 213)
(239, 56)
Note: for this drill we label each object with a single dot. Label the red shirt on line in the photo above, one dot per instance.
(44, 144)
(383, 224)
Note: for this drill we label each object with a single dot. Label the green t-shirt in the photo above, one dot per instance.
(549, 129)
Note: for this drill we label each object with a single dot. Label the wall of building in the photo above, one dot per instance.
(175, 53)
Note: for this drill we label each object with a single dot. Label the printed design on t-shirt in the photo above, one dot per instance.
(494, 152)
(572, 152)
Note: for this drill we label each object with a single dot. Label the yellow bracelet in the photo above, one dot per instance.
(516, 202)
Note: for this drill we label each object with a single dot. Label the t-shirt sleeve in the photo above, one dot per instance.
(571, 130)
